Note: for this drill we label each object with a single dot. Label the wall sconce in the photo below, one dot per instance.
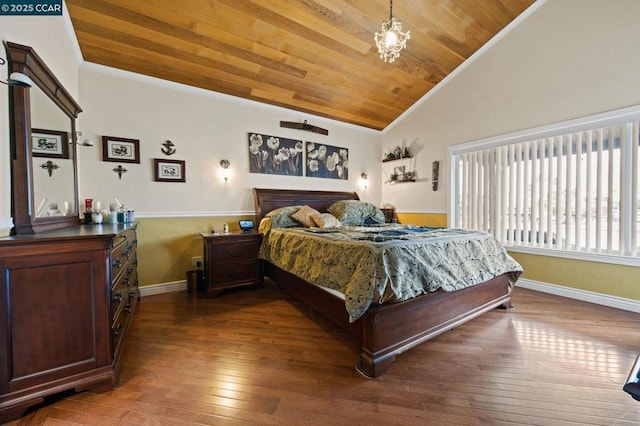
(225, 173)
(17, 79)
(364, 180)
(86, 142)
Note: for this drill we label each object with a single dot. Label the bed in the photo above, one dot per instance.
(384, 330)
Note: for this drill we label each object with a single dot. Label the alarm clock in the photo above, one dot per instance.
(245, 225)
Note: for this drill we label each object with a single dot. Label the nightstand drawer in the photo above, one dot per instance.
(224, 275)
(234, 252)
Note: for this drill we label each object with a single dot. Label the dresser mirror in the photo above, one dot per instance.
(43, 147)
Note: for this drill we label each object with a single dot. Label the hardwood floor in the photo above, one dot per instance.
(258, 357)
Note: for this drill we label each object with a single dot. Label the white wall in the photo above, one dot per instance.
(205, 128)
(49, 37)
(565, 60)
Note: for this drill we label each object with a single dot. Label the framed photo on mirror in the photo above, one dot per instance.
(49, 143)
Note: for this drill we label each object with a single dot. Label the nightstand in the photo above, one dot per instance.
(389, 214)
(231, 260)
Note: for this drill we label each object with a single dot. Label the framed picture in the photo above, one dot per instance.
(49, 143)
(274, 155)
(168, 170)
(326, 161)
(398, 171)
(120, 150)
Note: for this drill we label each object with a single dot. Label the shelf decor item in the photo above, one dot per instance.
(397, 153)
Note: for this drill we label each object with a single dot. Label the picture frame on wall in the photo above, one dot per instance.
(120, 150)
(274, 155)
(169, 170)
(399, 171)
(327, 161)
(49, 143)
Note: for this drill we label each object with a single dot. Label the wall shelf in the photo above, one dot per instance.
(386, 160)
(394, 182)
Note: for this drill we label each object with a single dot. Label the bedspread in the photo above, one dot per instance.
(387, 263)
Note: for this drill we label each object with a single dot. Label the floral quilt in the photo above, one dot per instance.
(377, 264)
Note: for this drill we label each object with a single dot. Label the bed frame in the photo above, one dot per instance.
(387, 330)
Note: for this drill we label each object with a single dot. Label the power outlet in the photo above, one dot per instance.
(196, 261)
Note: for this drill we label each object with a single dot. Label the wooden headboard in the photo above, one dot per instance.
(269, 199)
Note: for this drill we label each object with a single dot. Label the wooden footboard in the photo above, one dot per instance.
(390, 329)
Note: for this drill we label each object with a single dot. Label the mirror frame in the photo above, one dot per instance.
(25, 60)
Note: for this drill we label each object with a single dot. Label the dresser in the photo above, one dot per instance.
(66, 305)
(231, 260)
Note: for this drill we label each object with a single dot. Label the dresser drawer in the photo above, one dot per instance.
(119, 327)
(120, 257)
(234, 252)
(236, 272)
(121, 290)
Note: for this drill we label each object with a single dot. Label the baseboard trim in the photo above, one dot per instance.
(584, 295)
(571, 293)
(170, 287)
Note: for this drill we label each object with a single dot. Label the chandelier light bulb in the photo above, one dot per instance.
(390, 39)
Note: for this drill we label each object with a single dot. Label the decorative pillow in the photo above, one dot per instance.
(265, 225)
(304, 216)
(281, 218)
(325, 220)
(355, 213)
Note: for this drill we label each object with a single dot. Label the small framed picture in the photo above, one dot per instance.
(49, 143)
(120, 150)
(168, 170)
(398, 171)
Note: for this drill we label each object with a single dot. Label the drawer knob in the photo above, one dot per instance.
(235, 253)
(117, 297)
(117, 330)
(116, 263)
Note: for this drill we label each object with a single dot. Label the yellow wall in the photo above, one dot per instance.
(423, 219)
(605, 278)
(166, 245)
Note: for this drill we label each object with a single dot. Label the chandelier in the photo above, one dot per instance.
(390, 39)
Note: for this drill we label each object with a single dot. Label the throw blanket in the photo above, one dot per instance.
(387, 263)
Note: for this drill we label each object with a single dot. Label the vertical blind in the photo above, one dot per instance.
(575, 191)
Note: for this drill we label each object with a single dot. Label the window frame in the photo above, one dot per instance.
(606, 119)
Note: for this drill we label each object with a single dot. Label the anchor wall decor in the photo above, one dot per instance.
(168, 148)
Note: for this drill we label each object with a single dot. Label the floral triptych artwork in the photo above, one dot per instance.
(275, 156)
(281, 156)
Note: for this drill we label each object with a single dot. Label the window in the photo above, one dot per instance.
(567, 188)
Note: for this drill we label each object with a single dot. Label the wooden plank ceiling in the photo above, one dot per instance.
(314, 56)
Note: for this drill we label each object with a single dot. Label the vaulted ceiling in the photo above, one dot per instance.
(314, 56)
